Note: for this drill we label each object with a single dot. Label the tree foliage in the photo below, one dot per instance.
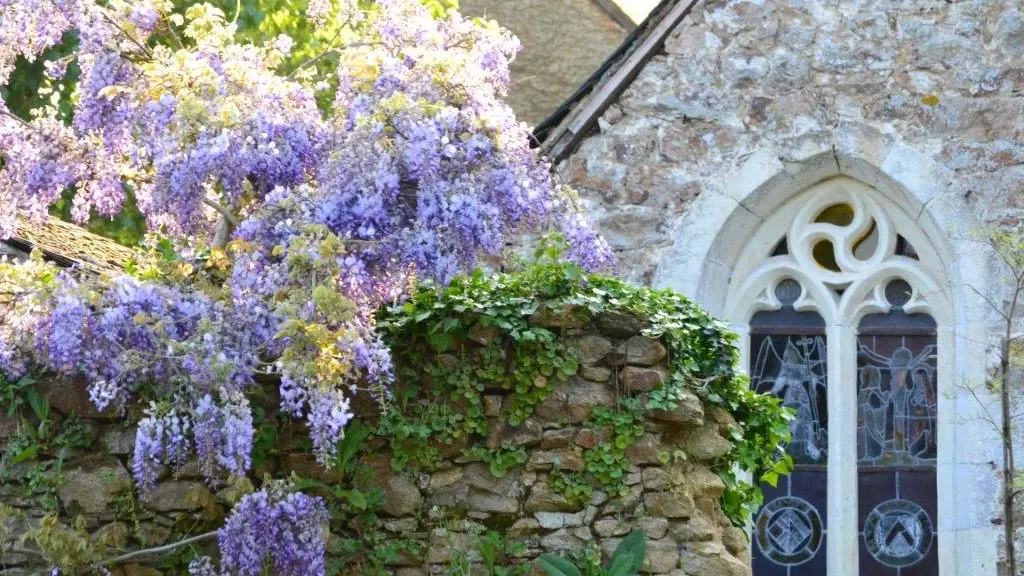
(285, 201)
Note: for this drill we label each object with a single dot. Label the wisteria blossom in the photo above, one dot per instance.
(277, 227)
(273, 527)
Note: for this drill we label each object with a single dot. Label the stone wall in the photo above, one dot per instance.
(676, 504)
(929, 87)
(752, 101)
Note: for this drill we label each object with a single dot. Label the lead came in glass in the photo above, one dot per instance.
(897, 405)
(896, 402)
(793, 368)
(788, 360)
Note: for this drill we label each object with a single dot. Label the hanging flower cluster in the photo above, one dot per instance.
(273, 527)
(277, 228)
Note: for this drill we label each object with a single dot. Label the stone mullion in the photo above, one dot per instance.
(842, 451)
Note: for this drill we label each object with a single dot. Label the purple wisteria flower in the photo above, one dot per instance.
(274, 527)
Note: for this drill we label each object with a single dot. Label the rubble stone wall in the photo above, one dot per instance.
(444, 510)
(753, 101)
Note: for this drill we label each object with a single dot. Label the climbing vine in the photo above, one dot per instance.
(501, 333)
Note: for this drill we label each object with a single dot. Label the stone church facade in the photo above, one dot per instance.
(817, 172)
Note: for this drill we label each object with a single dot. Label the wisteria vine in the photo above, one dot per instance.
(277, 227)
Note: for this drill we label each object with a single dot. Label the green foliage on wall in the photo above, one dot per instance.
(430, 333)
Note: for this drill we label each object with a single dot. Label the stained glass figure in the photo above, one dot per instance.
(788, 360)
(897, 407)
(896, 400)
(794, 369)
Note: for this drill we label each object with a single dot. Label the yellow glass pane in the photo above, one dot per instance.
(825, 255)
(838, 214)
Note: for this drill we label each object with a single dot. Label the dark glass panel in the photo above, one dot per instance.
(788, 360)
(874, 486)
(903, 248)
(815, 566)
(919, 486)
(897, 399)
(868, 566)
(812, 485)
(928, 566)
(897, 322)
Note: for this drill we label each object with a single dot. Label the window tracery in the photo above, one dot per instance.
(844, 275)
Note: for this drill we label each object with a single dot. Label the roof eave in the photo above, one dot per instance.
(561, 133)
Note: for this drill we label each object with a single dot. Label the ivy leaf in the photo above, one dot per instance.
(440, 341)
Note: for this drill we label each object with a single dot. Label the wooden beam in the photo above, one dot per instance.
(615, 11)
(587, 114)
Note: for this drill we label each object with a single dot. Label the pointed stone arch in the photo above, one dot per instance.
(716, 237)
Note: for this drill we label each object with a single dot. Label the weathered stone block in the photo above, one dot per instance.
(524, 527)
(72, 397)
(655, 478)
(607, 527)
(91, 484)
(620, 324)
(589, 437)
(118, 441)
(639, 379)
(560, 438)
(562, 541)
(174, 495)
(529, 433)
(704, 482)
(625, 505)
(479, 476)
(710, 559)
(556, 520)
(698, 528)
(591, 349)
(668, 504)
(640, 351)
(113, 536)
(654, 528)
(444, 478)
(646, 450)
(555, 459)
(401, 497)
(704, 443)
(689, 410)
(544, 499)
(486, 502)
(595, 373)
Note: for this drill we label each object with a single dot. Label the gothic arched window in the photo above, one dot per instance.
(838, 304)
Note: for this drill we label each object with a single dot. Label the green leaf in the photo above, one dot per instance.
(621, 565)
(440, 341)
(40, 405)
(356, 498)
(557, 566)
(27, 453)
(633, 546)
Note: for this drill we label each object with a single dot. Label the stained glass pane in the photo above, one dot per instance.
(794, 369)
(788, 360)
(897, 403)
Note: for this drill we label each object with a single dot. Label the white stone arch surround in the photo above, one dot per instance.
(733, 240)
